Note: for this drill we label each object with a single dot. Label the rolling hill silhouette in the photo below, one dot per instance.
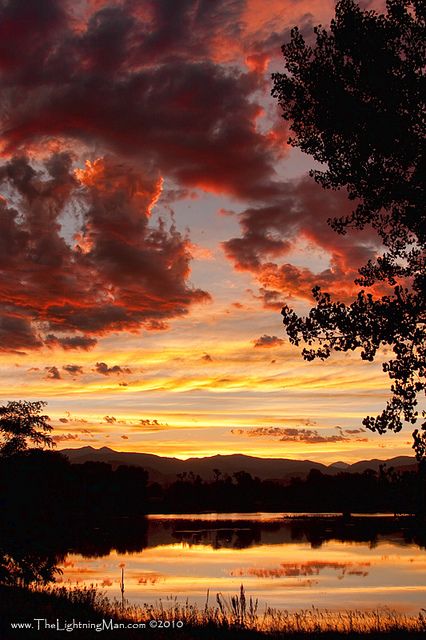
(162, 469)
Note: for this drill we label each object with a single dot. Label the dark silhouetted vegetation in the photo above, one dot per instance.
(44, 483)
(22, 422)
(233, 618)
(388, 491)
(355, 101)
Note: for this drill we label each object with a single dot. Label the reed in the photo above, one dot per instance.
(241, 613)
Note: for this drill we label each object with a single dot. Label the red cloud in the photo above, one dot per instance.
(272, 229)
(144, 81)
(123, 273)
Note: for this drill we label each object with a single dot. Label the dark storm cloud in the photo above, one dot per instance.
(188, 29)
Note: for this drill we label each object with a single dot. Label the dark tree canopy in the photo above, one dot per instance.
(355, 100)
(20, 422)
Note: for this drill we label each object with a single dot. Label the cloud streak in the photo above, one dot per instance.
(290, 434)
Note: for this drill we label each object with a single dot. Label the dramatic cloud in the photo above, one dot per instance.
(105, 370)
(274, 229)
(160, 62)
(266, 341)
(159, 89)
(110, 419)
(119, 273)
(307, 436)
(16, 334)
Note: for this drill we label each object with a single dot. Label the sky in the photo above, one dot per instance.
(153, 222)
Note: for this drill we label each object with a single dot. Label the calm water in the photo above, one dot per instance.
(285, 562)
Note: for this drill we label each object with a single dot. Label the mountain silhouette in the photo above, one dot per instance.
(163, 469)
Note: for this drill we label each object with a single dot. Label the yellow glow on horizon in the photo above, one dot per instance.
(197, 400)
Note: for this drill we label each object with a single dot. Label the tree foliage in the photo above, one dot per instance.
(355, 100)
(22, 422)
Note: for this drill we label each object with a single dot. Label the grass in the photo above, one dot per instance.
(230, 618)
(238, 612)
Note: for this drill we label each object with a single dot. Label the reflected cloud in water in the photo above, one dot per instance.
(286, 562)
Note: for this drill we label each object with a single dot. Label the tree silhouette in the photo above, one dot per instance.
(355, 101)
(20, 422)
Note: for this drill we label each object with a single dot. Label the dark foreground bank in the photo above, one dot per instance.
(86, 614)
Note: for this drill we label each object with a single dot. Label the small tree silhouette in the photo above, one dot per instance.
(20, 422)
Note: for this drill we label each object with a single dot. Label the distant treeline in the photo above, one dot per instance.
(370, 491)
(46, 483)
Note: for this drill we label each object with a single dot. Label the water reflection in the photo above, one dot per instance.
(238, 532)
(287, 562)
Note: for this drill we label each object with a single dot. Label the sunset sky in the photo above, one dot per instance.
(153, 221)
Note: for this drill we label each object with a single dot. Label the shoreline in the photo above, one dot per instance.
(50, 609)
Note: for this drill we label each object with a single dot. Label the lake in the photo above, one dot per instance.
(284, 560)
